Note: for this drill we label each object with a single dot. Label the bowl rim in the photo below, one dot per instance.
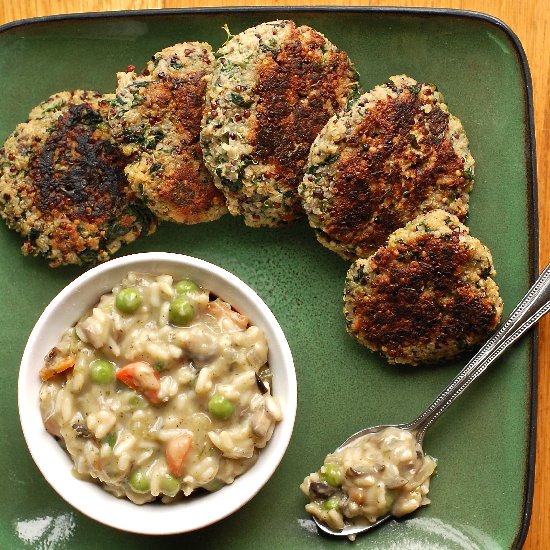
(184, 515)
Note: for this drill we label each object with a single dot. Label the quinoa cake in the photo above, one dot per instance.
(396, 153)
(426, 296)
(62, 183)
(156, 118)
(273, 88)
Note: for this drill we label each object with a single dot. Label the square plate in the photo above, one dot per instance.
(485, 443)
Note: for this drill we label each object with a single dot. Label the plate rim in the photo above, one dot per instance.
(530, 153)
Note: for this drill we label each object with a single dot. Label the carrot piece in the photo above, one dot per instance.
(218, 311)
(176, 452)
(141, 377)
(56, 364)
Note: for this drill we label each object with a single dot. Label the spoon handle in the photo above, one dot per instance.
(532, 307)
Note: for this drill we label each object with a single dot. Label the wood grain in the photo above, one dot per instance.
(530, 20)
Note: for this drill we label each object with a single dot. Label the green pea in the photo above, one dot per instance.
(139, 481)
(332, 503)
(169, 485)
(136, 401)
(128, 300)
(181, 311)
(220, 407)
(101, 371)
(390, 499)
(186, 286)
(214, 485)
(333, 475)
(109, 439)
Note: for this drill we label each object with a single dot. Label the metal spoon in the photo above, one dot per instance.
(531, 308)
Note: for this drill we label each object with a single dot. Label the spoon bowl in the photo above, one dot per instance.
(534, 305)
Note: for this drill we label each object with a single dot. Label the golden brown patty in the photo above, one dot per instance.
(426, 296)
(273, 89)
(156, 117)
(63, 185)
(396, 153)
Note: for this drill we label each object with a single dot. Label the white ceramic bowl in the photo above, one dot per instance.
(55, 464)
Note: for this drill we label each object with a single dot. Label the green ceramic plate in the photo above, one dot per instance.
(482, 492)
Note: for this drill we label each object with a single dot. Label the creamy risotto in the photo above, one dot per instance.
(378, 474)
(161, 389)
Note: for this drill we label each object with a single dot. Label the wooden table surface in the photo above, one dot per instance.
(530, 20)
